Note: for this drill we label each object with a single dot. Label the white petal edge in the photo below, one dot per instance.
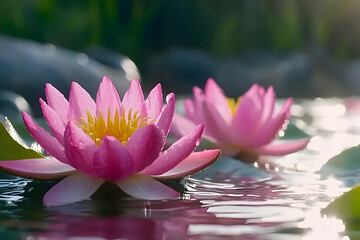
(144, 187)
(74, 188)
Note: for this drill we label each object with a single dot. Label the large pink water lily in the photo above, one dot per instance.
(244, 127)
(109, 140)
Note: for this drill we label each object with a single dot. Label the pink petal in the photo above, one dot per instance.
(177, 152)
(273, 125)
(199, 99)
(145, 145)
(107, 98)
(57, 101)
(282, 147)
(79, 101)
(216, 98)
(181, 126)
(247, 116)
(195, 162)
(265, 120)
(166, 115)
(154, 102)
(74, 188)
(49, 143)
(269, 104)
(54, 121)
(37, 168)
(112, 161)
(134, 97)
(143, 187)
(80, 149)
(215, 126)
(190, 110)
(286, 108)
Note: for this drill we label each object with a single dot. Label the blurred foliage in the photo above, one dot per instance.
(346, 207)
(344, 163)
(140, 27)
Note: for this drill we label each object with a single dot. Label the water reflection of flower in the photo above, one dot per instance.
(109, 140)
(140, 220)
(245, 127)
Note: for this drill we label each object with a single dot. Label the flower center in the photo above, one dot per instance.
(233, 104)
(120, 127)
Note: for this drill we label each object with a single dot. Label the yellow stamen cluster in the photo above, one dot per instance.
(120, 127)
(233, 104)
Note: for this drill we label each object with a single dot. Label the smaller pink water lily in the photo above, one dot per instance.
(244, 128)
(109, 140)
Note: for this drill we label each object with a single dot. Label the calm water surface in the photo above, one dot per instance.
(229, 200)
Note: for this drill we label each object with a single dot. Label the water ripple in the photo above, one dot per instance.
(229, 200)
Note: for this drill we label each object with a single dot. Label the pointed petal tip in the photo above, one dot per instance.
(211, 81)
(199, 131)
(197, 91)
(158, 86)
(287, 106)
(74, 84)
(107, 98)
(176, 153)
(289, 100)
(24, 115)
(254, 87)
(134, 96)
(48, 87)
(271, 89)
(106, 78)
(170, 97)
(135, 80)
(195, 162)
(56, 100)
(41, 101)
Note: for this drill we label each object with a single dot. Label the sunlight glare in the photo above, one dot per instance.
(322, 227)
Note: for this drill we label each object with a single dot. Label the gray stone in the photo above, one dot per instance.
(12, 104)
(293, 74)
(178, 70)
(26, 66)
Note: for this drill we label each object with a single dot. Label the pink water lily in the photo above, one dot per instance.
(245, 128)
(109, 140)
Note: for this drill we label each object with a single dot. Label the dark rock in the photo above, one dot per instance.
(12, 104)
(287, 73)
(351, 77)
(293, 74)
(115, 61)
(180, 69)
(26, 66)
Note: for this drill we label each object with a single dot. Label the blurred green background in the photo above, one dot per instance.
(138, 28)
(304, 48)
